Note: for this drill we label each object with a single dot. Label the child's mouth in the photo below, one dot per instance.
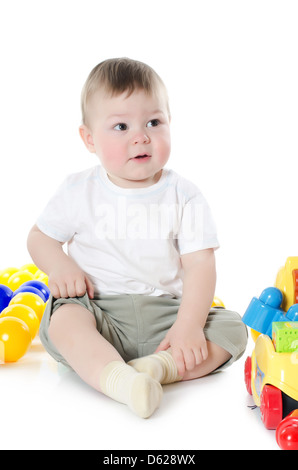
(142, 157)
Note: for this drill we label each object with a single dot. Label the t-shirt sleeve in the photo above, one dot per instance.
(197, 229)
(57, 219)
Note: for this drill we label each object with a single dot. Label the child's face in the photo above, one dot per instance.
(130, 135)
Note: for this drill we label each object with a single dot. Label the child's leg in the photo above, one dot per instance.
(217, 356)
(73, 332)
(161, 366)
(226, 337)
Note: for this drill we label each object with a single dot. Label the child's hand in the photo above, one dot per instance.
(188, 345)
(68, 280)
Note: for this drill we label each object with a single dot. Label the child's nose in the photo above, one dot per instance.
(141, 138)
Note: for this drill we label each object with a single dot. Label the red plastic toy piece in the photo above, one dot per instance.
(271, 406)
(247, 374)
(287, 432)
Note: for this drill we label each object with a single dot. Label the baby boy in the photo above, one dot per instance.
(131, 299)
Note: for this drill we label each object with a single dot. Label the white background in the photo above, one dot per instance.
(231, 70)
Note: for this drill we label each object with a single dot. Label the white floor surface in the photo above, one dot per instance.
(46, 406)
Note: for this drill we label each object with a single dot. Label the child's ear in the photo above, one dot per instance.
(87, 138)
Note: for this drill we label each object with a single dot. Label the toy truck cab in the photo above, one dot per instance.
(272, 378)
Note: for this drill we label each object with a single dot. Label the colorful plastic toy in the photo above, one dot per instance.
(30, 289)
(15, 339)
(272, 377)
(5, 296)
(5, 274)
(31, 300)
(217, 302)
(29, 267)
(287, 282)
(285, 336)
(25, 313)
(41, 286)
(18, 278)
(271, 373)
(266, 309)
(287, 432)
(23, 296)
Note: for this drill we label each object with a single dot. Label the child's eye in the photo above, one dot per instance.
(153, 123)
(121, 127)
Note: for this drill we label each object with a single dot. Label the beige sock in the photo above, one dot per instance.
(139, 391)
(160, 366)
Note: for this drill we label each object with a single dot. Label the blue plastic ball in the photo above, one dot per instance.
(40, 286)
(6, 295)
(30, 289)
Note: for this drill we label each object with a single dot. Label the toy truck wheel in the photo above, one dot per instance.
(247, 374)
(271, 406)
(287, 432)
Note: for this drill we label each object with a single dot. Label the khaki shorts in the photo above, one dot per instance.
(136, 324)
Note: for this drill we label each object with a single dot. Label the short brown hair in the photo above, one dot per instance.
(116, 76)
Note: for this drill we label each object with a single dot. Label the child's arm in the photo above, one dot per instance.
(66, 279)
(186, 337)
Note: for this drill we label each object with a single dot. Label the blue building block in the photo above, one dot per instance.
(266, 309)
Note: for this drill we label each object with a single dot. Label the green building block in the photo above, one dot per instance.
(285, 336)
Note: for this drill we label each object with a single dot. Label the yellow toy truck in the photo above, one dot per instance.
(271, 373)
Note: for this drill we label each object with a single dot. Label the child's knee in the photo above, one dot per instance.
(66, 319)
(57, 322)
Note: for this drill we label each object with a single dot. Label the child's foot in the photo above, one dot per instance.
(160, 366)
(145, 395)
(139, 391)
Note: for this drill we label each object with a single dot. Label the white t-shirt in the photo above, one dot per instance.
(129, 241)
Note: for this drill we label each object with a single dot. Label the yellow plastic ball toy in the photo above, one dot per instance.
(29, 267)
(18, 278)
(15, 339)
(217, 302)
(5, 274)
(33, 301)
(24, 313)
(41, 276)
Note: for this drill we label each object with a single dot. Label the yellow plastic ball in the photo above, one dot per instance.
(42, 277)
(37, 273)
(217, 303)
(30, 267)
(33, 301)
(18, 278)
(24, 313)
(15, 339)
(5, 274)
